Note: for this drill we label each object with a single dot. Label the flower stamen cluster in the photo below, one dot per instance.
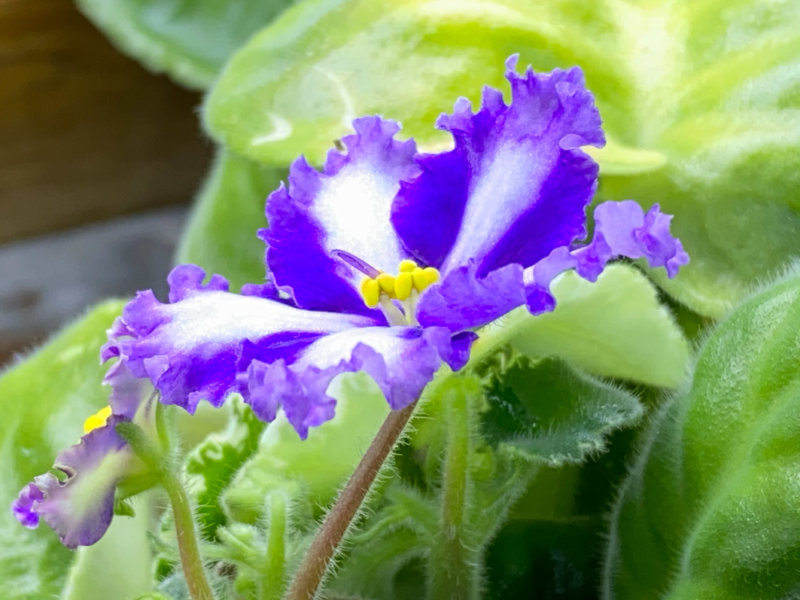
(388, 291)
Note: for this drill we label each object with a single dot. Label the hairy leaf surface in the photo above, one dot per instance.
(710, 509)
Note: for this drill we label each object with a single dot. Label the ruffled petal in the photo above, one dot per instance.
(23, 507)
(80, 506)
(345, 207)
(401, 360)
(191, 349)
(465, 301)
(516, 184)
(539, 277)
(622, 229)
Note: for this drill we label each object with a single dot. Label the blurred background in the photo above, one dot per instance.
(99, 160)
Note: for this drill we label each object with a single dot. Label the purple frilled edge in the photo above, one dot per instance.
(500, 216)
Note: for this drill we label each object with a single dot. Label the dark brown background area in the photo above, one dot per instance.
(91, 145)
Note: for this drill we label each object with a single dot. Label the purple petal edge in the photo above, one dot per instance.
(80, 507)
(622, 229)
(400, 360)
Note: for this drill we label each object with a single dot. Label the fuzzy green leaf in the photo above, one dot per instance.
(188, 39)
(44, 400)
(700, 103)
(710, 509)
(549, 413)
(212, 465)
(395, 533)
(387, 562)
(221, 235)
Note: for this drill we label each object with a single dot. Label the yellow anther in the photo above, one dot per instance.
(97, 420)
(424, 278)
(420, 283)
(431, 274)
(370, 291)
(403, 284)
(406, 266)
(410, 277)
(386, 282)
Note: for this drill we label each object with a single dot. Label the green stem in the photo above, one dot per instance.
(329, 537)
(271, 585)
(452, 568)
(192, 563)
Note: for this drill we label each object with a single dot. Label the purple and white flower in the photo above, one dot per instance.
(387, 261)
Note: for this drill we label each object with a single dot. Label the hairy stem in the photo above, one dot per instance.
(452, 570)
(271, 584)
(192, 563)
(315, 564)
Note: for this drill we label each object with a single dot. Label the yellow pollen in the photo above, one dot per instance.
(386, 282)
(97, 420)
(370, 291)
(409, 277)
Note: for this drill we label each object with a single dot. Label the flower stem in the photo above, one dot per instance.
(315, 564)
(192, 563)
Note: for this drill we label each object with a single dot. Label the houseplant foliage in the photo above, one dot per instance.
(505, 476)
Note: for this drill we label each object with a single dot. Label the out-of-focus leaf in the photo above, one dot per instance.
(118, 566)
(221, 235)
(318, 465)
(700, 101)
(44, 400)
(614, 327)
(549, 413)
(710, 508)
(554, 536)
(188, 39)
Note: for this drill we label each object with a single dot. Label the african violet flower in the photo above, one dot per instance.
(79, 504)
(386, 262)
